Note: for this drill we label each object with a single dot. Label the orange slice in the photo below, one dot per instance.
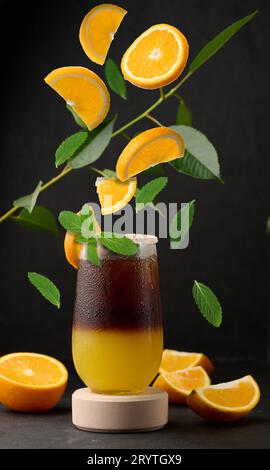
(98, 29)
(157, 145)
(179, 384)
(72, 248)
(228, 401)
(113, 194)
(175, 360)
(156, 58)
(84, 91)
(31, 382)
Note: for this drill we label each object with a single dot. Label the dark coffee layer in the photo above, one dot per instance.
(123, 293)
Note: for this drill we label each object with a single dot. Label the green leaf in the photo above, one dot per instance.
(207, 303)
(70, 221)
(200, 159)
(40, 219)
(92, 253)
(69, 147)
(184, 116)
(29, 201)
(46, 287)
(96, 143)
(77, 119)
(213, 46)
(118, 243)
(115, 79)
(155, 170)
(150, 190)
(109, 173)
(268, 226)
(176, 224)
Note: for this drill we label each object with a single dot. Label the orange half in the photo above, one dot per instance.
(177, 360)
(98, 29)
(31, 382)
(157, 145)
(156, 58)
(179, 384)
(228, 401)
(84, 91)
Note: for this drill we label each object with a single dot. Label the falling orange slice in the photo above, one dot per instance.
(228, 401)
(113, 194)
(157, 145)
(175, 360)
(98, 29)
(179, 384)
(84, 91)
(156, 58)
(72, 248)
(31, 382)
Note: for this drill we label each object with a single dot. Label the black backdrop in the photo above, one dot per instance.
(229, 101)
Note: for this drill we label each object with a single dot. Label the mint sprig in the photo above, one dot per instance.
(82, 226)
(46, 287)
(208, 303)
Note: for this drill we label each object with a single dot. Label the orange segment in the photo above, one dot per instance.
(72, 248)
(156, 58)
(113, 194)
(175, 360)
(84, 91)
(179, 384)
(98, 29)
(31, 382)
(227, 401)
(157, 145)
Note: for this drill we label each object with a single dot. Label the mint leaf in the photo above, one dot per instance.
(207, 303)
(69, 147)
(184, 116)
(109, 173)
(176, 225)
(150, 190)
(92, 253)
(46, 287)
(155, 170)
(213, 46)
(29, 201)
(70, 221)
(200, 159)
(97, 141)
(118, 243)
(40, 219)
(77, 119)
(115, 79)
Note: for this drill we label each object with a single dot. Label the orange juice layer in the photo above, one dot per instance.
(117, 361)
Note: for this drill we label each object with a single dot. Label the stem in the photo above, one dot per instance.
(163, 97)
(49, 183)
(153, 119)
(96, 170)
(125, 135)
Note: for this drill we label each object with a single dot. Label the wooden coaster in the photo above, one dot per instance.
(146, 411)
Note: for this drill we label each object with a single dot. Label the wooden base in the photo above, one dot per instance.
(146, 411)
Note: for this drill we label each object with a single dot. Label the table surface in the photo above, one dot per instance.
(185, 430)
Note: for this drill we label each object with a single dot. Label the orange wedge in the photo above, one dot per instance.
(157, 145)
(31, 382)
(228, 401)
(179, 384)
(98, 29)
(84, 91)
(113, 194)
(156, 58)
(175, 360)
(72, 248)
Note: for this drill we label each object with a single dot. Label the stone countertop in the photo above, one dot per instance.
(185, 430)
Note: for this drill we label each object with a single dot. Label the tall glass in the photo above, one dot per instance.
(117, 336)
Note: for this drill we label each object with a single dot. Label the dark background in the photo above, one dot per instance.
(229, 100)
